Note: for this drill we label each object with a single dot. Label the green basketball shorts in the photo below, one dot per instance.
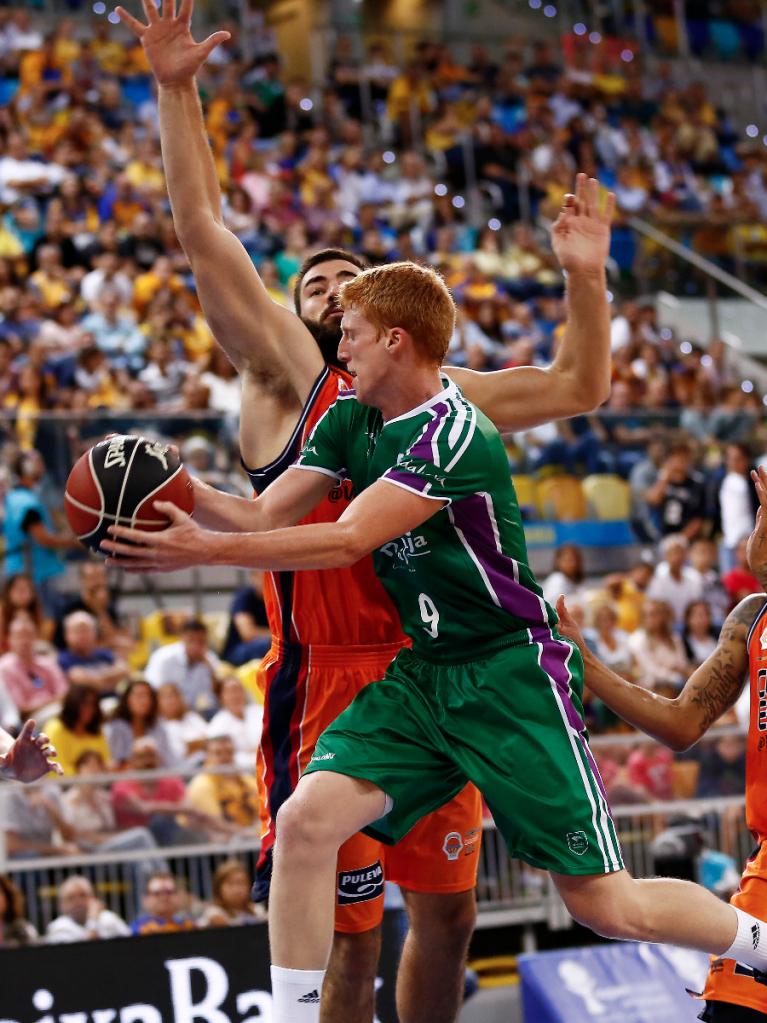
(511, 723)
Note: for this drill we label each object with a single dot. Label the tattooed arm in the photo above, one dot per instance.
(711, 690)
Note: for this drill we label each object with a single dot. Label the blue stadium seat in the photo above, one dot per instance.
(726, 39)
(698, 36)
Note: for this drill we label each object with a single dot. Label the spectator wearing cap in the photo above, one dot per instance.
(162, 901)
(32, 681)
(190, 664)
(85, 662)
(82, 917)
(674, 582)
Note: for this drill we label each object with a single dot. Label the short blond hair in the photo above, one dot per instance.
(409, 296)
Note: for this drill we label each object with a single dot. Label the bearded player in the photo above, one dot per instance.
(734, 992)
(336, 630)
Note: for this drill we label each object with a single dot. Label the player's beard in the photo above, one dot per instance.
(328, 337)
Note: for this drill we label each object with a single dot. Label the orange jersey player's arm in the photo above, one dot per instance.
(710, 691)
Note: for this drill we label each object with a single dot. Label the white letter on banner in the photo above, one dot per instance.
(103, 1015)
(140, 1014)
(260, 1000)
(209, 1009)
(73, 1017)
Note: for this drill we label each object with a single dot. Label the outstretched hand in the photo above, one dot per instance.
(568, 627)
(173, 55)
(180, 545)
(757, 542)
(30, 757)
(581, 233)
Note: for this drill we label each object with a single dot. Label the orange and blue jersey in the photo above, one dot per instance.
(727, 980)
(334, 630)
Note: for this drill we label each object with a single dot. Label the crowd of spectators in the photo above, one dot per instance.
(167, 907)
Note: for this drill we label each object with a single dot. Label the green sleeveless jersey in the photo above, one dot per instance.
(460, 582)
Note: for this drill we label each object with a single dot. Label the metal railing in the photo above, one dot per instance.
(508, 891)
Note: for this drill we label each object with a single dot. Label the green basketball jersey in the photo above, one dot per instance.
(460, 582)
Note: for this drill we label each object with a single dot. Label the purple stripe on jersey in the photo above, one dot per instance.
(472, 516)
(422, 447)
(410, 480)
(554, 657)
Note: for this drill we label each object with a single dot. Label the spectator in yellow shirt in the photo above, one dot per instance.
(230, 797)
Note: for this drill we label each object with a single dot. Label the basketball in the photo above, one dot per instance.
(117, 481)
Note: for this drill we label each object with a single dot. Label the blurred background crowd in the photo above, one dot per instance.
(457, 161)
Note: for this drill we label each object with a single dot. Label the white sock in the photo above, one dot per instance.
(296, 995)
(750, 945)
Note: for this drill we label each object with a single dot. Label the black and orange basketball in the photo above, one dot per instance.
(117, 482)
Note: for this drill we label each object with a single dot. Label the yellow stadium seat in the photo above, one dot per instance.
(527, 493)
(561, 498)
(668, 33)
(608, 497)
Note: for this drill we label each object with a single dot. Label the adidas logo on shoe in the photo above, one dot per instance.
(755, 932)
(311, 998)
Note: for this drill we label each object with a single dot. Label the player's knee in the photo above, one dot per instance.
(300, 828)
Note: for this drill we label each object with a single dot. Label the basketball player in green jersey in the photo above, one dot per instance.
(489, 692)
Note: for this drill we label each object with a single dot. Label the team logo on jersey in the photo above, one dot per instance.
(577, 842)
(452, 847)
(361, 885)
(405, 548)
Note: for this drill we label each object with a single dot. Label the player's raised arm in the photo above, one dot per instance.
(258, 335)
(578, 380)
(710, 691)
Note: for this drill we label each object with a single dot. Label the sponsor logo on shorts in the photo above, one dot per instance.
(755, 932)
(577, 842)
(362, 885)
(453, 845)
(322, 756)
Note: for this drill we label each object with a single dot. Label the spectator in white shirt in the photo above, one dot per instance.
(83, 917)
(736, 502)
(190, 663)
(568, 575)
(185, 728)
(674, 582)
(21, 176)
(240, 719)
(107, 275)
(658, 651)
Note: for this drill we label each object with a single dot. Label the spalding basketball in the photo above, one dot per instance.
(117, 482)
